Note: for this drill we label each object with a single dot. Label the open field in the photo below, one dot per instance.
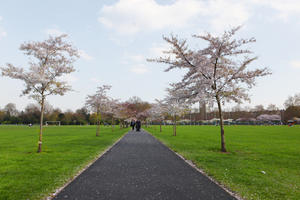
(252, 149)
(24, 174)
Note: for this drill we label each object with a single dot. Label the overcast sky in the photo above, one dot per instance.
(116, 36)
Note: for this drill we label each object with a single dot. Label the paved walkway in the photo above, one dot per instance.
(139, 167)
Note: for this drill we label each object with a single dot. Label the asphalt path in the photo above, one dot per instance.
(140, 167)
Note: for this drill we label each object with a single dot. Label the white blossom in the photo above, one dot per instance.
(215, 73)
(49, 61)
(99, 103)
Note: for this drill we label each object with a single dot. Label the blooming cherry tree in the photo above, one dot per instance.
(123, 113)
(51, 60)
(217, 72)
(266, 117)
(98, 103)
(157, 112)
(175, 104)
(112, 109)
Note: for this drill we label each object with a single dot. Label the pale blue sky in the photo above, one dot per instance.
(115, 37)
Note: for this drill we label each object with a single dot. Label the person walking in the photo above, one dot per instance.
(132, 124)
(138, 125)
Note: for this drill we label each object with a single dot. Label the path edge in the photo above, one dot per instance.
(193, 165)
(58, 190)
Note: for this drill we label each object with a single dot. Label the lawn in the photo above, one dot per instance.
(253, 150)
(25, 174)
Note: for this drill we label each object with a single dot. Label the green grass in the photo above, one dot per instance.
(252, 149)
(25, 174)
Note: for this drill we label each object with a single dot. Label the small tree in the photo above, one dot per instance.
(175, 104)
(159, 111)
(292, 101)
(98, 103)
(272, 107)
(11, 109)
(113, 107)
(122, 113)
(217, 72)
(53, 58)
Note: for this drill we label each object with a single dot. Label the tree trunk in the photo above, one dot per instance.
(112, 124)
(223, 148)
(41, 125)
(174, 126)
(98, 123)
(160, 126)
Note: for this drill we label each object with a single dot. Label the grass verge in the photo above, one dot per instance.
(263, 161)
(25, 174)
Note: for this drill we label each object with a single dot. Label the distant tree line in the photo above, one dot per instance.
(134, 107)
(31, 115)
(9, 114)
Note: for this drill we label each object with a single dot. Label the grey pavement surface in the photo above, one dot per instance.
(140, 167)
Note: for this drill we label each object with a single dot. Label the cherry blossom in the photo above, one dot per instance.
(215, 73)
(50, 61)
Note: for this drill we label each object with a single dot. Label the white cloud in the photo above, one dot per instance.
(225, 14)
(137, 63)
(132, 16)
(54, 32)
(85, 56)
(139, 69)
(295, 64)
(285, 8)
